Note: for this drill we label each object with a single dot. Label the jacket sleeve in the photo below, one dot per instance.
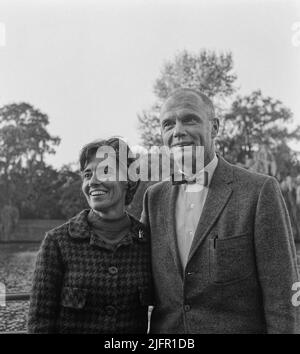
(46, 288)
(276, 260)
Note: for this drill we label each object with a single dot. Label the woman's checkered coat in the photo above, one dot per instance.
(83, 285)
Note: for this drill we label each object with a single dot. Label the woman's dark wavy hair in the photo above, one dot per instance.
(89, 151)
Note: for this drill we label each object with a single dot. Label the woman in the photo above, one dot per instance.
(93, 273)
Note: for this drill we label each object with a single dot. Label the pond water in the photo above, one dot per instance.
(16, 269)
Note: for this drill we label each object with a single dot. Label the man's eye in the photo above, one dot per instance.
(168, 124)
(190, 120)
(87, 174)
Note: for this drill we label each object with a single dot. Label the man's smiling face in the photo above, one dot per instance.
(188, 121)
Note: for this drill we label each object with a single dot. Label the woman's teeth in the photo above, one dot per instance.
(97, 193)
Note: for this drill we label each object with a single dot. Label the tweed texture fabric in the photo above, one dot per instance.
(242, 262)
(83, 285)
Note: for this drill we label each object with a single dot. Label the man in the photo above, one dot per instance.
(223, 255)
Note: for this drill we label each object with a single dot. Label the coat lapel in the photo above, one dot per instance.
(169, 207)
(218, 195)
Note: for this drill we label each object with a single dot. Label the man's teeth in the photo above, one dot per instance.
(96, 193)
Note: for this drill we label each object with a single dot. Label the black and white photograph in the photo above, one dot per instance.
(149, 169)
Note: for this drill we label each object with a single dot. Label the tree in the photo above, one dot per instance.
(41, 193)
(254, 120)
(149, 126)
(24, 142)
(206, 71)
(71, 200)
(287, 161)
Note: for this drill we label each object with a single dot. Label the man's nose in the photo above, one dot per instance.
(179, 129)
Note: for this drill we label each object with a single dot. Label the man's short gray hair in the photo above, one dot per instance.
(205, 99)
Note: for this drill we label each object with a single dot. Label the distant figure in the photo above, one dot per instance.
(9, 220)
(223, 255)
(290, 194)
(93, 273)
(298, 191)
(264, 162)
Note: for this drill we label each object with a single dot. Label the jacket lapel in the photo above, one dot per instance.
(169, 206)
(218, 194)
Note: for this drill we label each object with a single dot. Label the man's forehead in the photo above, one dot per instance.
(183, 102)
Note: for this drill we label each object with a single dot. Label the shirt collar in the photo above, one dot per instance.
(209, 168)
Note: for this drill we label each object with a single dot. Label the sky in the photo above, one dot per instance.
(91, 64)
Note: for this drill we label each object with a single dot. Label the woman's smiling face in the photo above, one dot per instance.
(107, 197)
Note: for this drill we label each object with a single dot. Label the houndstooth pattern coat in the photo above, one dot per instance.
(83, 285)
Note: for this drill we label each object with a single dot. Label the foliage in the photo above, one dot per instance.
(246, 123)
(206, 71)
(71, 200)
(36, 189)
(24, 141)
(149, 126)
(254, 120)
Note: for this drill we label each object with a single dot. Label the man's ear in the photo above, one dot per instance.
(215, 124)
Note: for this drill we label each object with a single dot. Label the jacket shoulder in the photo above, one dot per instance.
(244, 176)
(157, 187)
(59, 231)
(63, 230)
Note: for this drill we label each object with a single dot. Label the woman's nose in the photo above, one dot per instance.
(94, 179)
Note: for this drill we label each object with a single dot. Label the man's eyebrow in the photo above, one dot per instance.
(169, 116)
(166, 119)
(191, 115)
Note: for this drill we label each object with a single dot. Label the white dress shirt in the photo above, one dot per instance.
(189, 206)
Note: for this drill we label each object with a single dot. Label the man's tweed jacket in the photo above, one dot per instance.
(81, 285)
(242, 262)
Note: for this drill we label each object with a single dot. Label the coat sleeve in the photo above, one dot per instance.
(276, 260)
(46, 288)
